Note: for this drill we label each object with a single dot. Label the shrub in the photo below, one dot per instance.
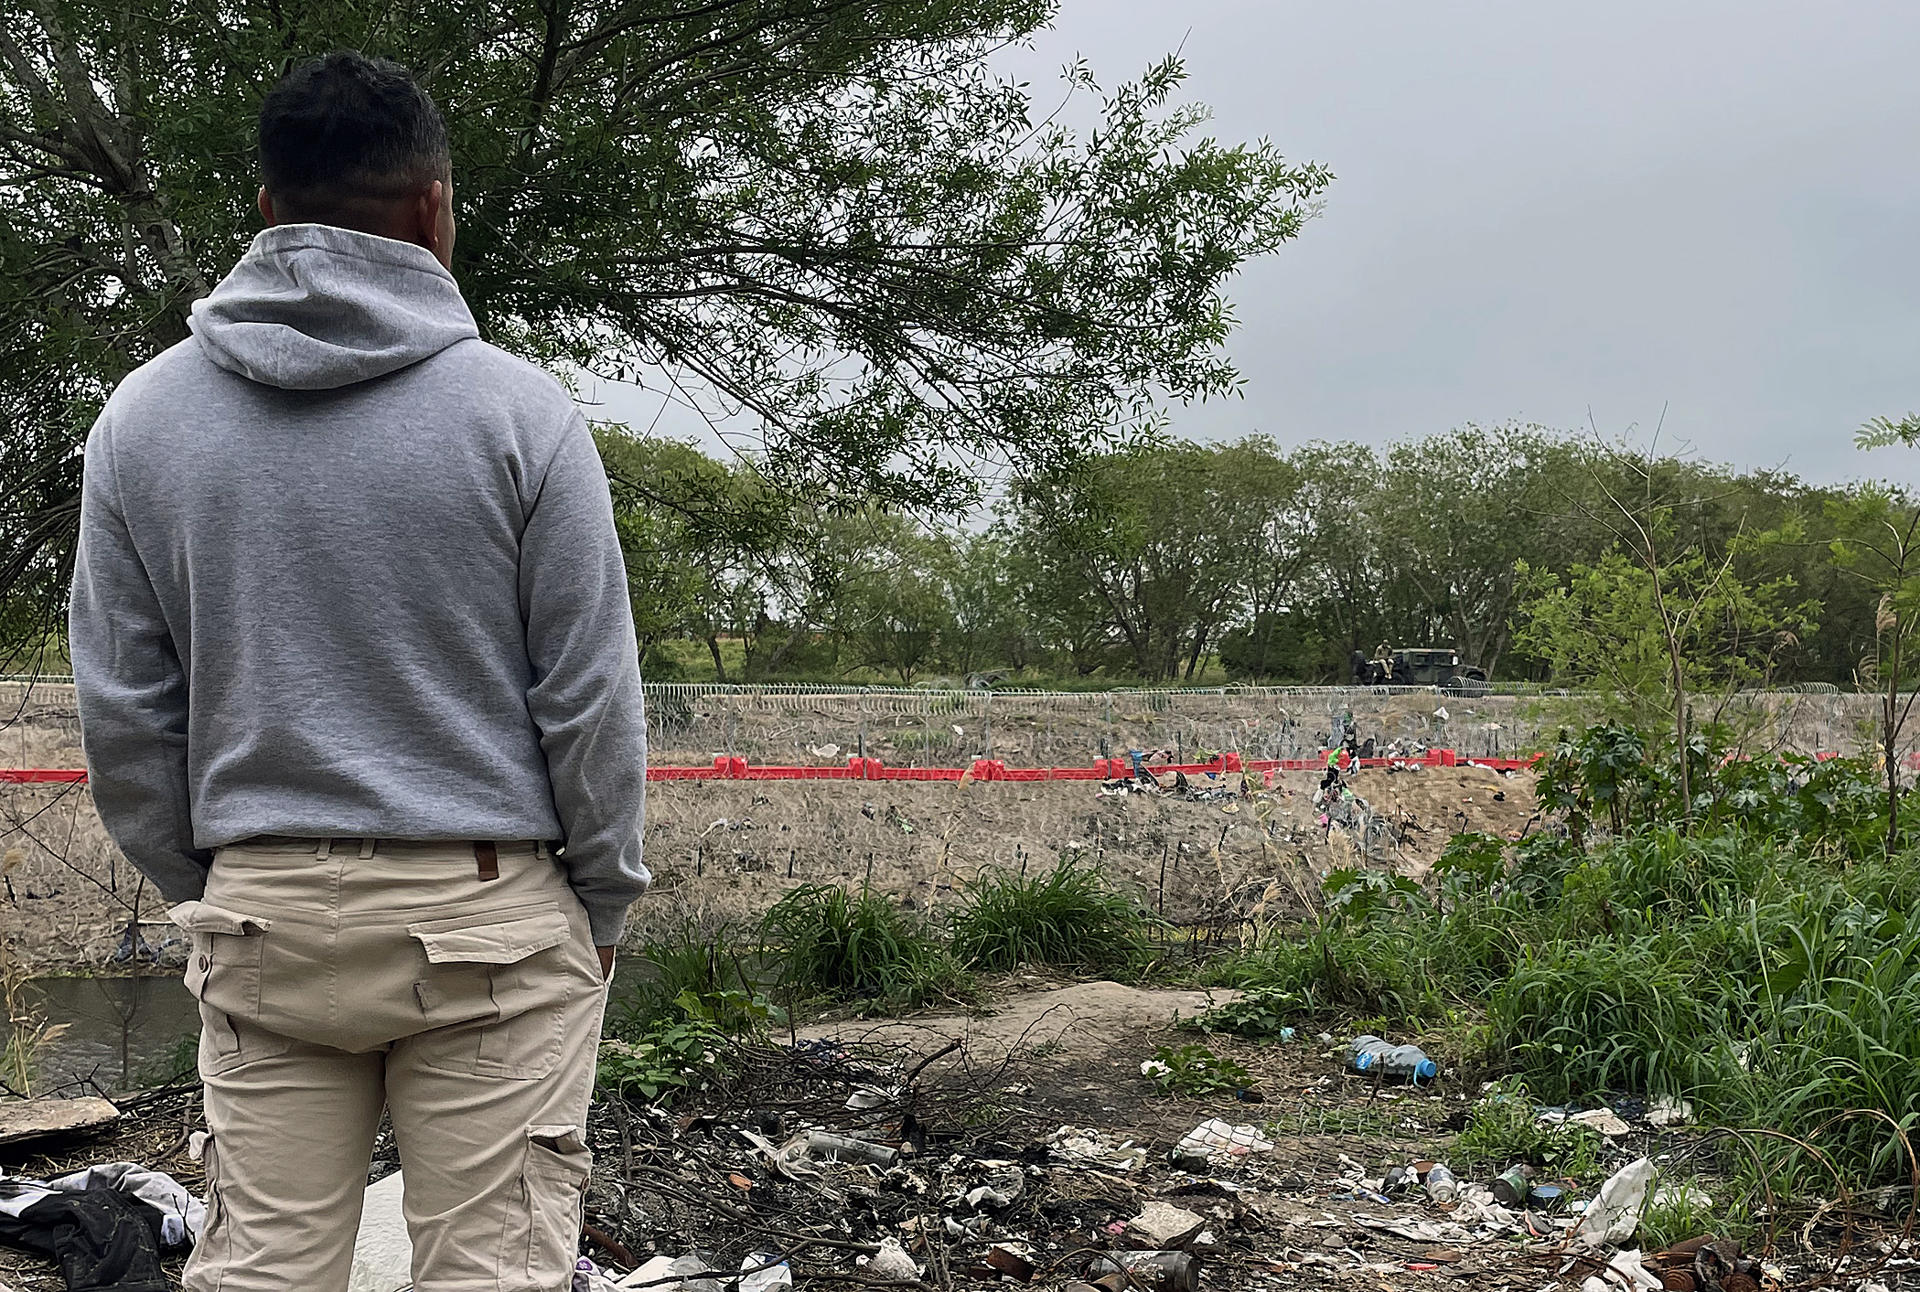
(1068, 917)
(691, 959)
(858, 946)
(1194, 1070)
(669, 1056)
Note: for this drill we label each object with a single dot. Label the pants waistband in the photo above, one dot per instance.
(366, 847)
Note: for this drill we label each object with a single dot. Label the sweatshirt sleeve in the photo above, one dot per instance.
(585, 694)
(132, 692)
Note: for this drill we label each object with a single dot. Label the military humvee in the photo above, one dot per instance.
(1427, 666)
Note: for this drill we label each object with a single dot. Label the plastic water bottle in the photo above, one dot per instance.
(1370, 1054)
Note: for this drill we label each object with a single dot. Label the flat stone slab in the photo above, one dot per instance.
(33, 1119)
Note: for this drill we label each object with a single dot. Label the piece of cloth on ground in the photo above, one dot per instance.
(104, 1240)
(182, 1216)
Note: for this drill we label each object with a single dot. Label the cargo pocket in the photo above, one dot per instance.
(495, 991)
(541, 1239)
(223, 974)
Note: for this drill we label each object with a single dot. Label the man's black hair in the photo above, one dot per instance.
(345, 128)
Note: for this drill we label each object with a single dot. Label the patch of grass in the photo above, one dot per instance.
(706, 962)
(1679, 1211)
(858, 946)
(1339, 971)
(1194, 1070)
(1068, 917)
(671, 1056)
(1260, 1012)
(1504, 1128)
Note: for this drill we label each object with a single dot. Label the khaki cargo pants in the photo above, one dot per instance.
(340, 978)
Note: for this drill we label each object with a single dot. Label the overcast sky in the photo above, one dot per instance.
(1543, 209)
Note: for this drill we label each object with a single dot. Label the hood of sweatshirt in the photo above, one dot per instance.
(312, 307)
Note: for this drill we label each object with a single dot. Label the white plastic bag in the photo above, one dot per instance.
(1614, 1214)
(1216, 1136)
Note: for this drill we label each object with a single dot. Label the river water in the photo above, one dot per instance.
(121, 1033)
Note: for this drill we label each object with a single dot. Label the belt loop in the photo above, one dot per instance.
(366, 848)
(487, 859)
(325, 849)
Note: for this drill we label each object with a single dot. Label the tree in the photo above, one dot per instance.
(1460, 511)
(1154, 533)
(1881, 546)
(893, 602)
(828, 218)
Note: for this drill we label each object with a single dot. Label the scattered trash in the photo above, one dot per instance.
(1441, 1186)
(1627, 1272)
(764, 1272)
(1216, 1136)
(1546, 1197)
(1163, 1226)
(676, 1274)
(827, 1144)
(1668, 1111)
(1614, 1213)
(1160, 1271)
(1014, 1264)
(1002, 1187)
(891, 1264)
(1604, 1120)
(1370, 1054)
(1193, 1163)
(1080, 1146)
(1512, 1187)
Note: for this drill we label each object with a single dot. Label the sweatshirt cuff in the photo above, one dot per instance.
(608, 922)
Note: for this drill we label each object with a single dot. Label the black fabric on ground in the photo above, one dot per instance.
(104, 1240)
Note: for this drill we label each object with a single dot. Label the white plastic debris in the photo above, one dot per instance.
(1001, 1187)
(382, 1251)
(1083, 1146)
(1628, 1271)
(656, 1274)
(764, 1272)
(1604, 1120)
(1614, 1213)
(1692, 1197)
(1216, 1136)
(891, 1264)
(1668, 1111)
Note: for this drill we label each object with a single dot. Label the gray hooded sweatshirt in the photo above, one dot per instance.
(347, 570)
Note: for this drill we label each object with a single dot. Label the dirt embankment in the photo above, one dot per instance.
(723, 851)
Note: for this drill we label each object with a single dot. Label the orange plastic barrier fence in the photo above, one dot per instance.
(982, 769)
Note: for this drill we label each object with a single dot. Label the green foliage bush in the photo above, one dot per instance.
(1760, 959)
(1194, 1070)
(1068, 917)
(858, 946)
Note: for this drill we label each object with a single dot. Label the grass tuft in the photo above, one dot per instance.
(1068, 918)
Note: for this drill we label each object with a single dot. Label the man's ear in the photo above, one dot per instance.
(266, 207)
(430, 223)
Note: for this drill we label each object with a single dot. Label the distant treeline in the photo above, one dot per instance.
(1533, 553)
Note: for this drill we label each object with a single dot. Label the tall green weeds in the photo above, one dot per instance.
(1067, 917)
(858, 946)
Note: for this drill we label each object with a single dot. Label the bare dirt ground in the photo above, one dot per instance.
(724, 851)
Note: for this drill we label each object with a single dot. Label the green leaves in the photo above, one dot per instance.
(1195, 1071)
(833, 227)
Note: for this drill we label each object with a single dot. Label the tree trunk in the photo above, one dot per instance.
(719, 664)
